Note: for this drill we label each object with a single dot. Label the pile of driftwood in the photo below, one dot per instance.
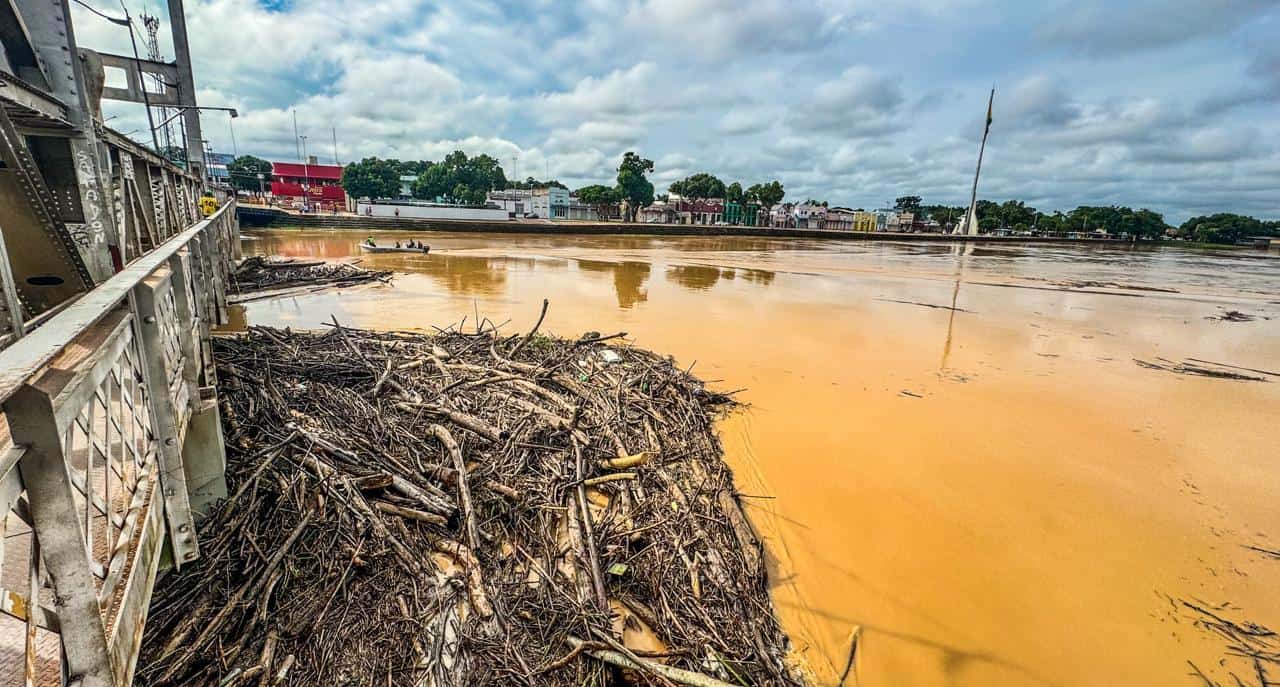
(467, 509)
(258, 274)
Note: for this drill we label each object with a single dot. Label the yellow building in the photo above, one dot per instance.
(864, 221)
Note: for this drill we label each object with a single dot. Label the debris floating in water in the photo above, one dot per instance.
(261, 277)
(1201, 369)
(467, 509)
(1231, 316)
(1250, 652)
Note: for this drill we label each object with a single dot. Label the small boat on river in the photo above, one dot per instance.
(393, 249)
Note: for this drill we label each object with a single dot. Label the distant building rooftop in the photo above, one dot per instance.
(297, 169)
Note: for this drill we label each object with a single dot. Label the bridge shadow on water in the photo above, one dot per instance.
(954, 659)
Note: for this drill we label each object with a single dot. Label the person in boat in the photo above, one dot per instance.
(397, 244)
(369, 241)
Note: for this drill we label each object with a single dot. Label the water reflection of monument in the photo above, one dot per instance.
(960, 251)
(628, 279)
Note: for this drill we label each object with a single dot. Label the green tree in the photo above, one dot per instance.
(1148, 224)
(699, 186)
(944, 214)
(244, 172)
(1050, 224)
(413, 167)
(633, 187)
(1015, 214)
(733, 193)
(1116, 220)
(987, 210)
(460, 179)
(767, 195)
(371, 178)
(600, 197)
(1223, 227)
(530, 183)
(432, 183)
(907, 204)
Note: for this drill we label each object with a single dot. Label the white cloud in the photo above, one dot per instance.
(605, 134)
(854, 101)
(1099, 27)
(716, 29)
(638, 92)
(747, 120)
(861, 102)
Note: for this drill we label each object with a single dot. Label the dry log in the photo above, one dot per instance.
(421, 516)
(464, 492)
(678, 675)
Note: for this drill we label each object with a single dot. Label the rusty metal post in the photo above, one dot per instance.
(46, 477)
(93, 230)
(165, 415)
(10, 307)
(203, 452)
(187, 90)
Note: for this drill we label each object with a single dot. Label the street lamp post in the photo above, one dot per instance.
(306, 175)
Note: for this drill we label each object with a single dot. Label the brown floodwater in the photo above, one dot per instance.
(997, 494)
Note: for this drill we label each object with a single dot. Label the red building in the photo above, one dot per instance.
(307, 184)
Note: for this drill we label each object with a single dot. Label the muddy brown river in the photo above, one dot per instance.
(952, 447)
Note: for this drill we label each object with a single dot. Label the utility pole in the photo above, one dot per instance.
(186, 86)
(152, 24)
(335, 145)
(297, 145)
(207, 149)
(306, 174)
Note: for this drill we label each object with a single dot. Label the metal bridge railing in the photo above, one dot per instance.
(109, 425)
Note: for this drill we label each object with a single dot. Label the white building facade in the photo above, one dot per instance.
(429, 211)
(543, 203)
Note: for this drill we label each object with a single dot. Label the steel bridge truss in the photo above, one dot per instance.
(110, 433)
(110, 438)
(78, 201)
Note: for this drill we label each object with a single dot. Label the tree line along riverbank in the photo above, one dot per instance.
(276, 218)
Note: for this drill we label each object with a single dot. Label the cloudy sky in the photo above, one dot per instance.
(1168, 104)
